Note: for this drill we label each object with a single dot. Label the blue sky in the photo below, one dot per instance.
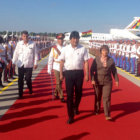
(67, 15)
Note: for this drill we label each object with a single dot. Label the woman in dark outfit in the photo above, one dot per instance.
(102, 69)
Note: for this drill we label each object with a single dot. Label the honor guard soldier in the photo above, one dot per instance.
(3, 60)
(26, 58)
(120, 53)
(127, 56)
(10, 52)
(6, 67)
(133, 51)
(138, 59)
(13, 46)
(54, 63)
(123, 55)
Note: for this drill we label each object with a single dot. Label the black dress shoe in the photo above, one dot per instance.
(2, 86)
(30, 92)
(76, 112)
(56, 97)
(13, 78)
(96, 112)
(70, 121)
(15, 75)
(20, 96)
(7, 81)
(132, 73)
(63, 100)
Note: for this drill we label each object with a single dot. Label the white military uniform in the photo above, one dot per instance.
(123, 49)
(120, 49)
(127, 52)
(54, 62)
(3, 55)
(133, 51)
(115, 48)
(138, 52)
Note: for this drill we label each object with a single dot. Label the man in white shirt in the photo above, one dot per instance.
(127, 56)
(54, 63)
(26, 58)
(123, 56)
(120, 54)
(9, 57)
(115, 45)
(12, 45)
(133, 51)
(138, 58)
(74, 57)
(5, 54)
(3, 60)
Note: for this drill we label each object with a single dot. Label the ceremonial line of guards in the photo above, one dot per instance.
(7, 47)
(125, 53)
(43, 46)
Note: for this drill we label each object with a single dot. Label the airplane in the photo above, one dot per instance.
(129, 32)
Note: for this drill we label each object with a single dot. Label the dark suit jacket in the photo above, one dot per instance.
(103, 75)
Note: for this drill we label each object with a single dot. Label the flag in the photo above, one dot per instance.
(87, 33)
(135, 25)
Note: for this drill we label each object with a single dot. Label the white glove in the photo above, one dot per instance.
(49, 71)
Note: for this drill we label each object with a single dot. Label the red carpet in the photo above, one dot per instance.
(37, 117)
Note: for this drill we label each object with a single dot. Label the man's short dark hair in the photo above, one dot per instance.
(74, 34)
(24, 32)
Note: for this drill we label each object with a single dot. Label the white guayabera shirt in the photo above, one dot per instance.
(25, 54)
(74, 57)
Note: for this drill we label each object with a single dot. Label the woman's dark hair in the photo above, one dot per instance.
(104, 47)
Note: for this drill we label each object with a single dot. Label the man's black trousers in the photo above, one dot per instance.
(28, 75)
(74, 83)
